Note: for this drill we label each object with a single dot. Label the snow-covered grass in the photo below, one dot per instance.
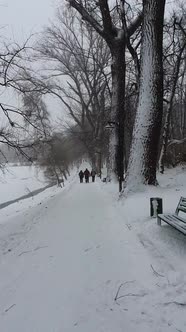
(135, 209)
(163, 241)
(20, 180)
(33, 180)
(74, 259)
(165, 246)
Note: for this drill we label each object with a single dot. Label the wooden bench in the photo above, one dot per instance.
(174, 219)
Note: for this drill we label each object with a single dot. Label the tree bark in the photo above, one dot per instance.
(144, 148)
(117, 118)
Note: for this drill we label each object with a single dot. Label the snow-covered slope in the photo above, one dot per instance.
(20, 180)
(77, 261)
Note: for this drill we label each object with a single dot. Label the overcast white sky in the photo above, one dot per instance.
(20, 18)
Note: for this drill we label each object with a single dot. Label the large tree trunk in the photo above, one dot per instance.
(144, 149)
(116, 150)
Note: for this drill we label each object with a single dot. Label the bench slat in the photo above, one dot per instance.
(178, 227)
(175, 225)
(181, 205)
(174, 221)
(172, 217)
(183, 209)
(183, 202)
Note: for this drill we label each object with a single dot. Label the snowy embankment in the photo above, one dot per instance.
(75, 260)
(20, 180)
(163, 241)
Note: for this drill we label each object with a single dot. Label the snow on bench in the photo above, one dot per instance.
(174, 219)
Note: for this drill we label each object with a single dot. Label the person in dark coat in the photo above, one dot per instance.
(81, 176)
(86, 174)
(93, 174)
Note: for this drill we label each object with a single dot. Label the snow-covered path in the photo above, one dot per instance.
(62, 265)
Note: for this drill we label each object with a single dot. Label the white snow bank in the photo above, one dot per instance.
(20, 180)
(164, 242)
(19, 207)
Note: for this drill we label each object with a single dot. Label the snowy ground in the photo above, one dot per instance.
(73, 259)
(20, 180)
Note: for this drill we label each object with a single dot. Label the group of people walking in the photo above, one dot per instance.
(86, 174)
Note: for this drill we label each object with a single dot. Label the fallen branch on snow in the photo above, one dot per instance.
(156, 273)
(124, 283)
(131, 294)
(175, 302)
(24, 252)
(37, 248)
(117, 297)
(6, 310)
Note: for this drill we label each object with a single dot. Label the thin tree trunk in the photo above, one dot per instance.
(92, 156)
(57, 178)
(144, 148)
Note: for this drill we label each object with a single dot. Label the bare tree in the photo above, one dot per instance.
(102, 17)
(174, 63)
(56, 156)
(13, 133)
(78, 75)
